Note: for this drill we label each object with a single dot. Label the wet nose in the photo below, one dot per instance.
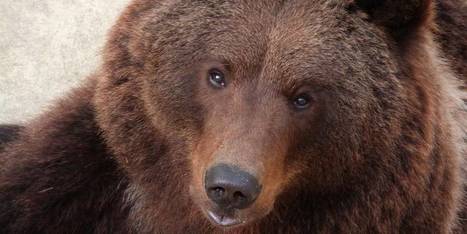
(230, 187)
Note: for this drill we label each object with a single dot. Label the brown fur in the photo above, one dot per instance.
(8, 133)
(452, 33)
(376, 152)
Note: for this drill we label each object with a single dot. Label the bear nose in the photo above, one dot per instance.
(231, 188)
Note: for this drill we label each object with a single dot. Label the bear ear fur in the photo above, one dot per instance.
(399, 16)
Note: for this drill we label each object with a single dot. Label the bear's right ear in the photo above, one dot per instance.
(400, 17)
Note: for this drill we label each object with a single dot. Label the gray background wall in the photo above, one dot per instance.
(47, 47)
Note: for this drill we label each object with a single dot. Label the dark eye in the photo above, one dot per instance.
(216, 78)
(302, 101)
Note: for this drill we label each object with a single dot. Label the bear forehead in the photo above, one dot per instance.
(290, 38)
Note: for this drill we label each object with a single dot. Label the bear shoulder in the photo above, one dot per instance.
(57, 177)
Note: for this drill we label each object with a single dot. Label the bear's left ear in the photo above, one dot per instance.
(400, 17)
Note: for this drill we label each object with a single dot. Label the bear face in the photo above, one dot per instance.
(303, 96)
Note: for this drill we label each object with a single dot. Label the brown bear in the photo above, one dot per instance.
(265, 116)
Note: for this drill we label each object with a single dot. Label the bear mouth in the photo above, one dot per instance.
(224, 219)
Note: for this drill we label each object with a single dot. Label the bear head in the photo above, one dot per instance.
(234, 108)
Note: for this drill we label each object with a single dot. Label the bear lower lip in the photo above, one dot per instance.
(223, 220)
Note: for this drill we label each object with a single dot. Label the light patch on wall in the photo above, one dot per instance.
(47, 47)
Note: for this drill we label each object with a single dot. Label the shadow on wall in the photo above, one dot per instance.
(47, 47)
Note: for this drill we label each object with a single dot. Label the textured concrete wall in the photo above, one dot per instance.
(47, 47)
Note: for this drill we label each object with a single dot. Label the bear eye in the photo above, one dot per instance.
(302, 101)
(216, 78)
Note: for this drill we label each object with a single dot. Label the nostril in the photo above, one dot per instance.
(240, 200)
(239, 196)
(217, 192)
